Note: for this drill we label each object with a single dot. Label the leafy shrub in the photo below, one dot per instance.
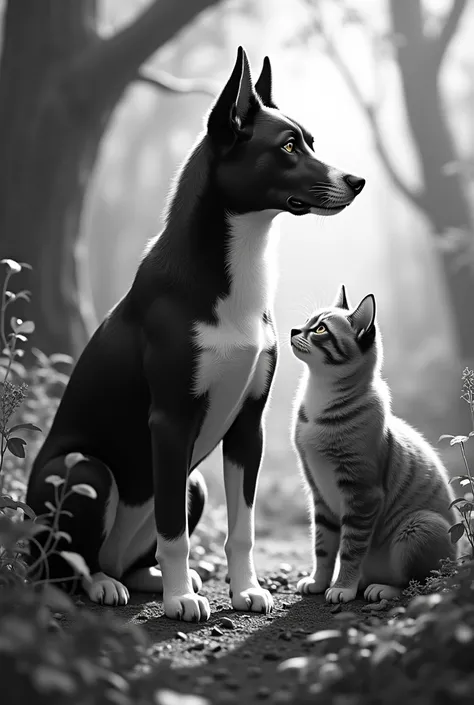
(39, 661)
(423, 654)
(42, 663)
(464, 504)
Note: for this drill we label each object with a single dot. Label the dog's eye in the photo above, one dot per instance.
(320, 330)
(289, 147)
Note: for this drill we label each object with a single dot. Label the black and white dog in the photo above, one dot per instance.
(186, 360)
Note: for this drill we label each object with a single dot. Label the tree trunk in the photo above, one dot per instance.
(59, 83)
(46, 155)
(444, 200)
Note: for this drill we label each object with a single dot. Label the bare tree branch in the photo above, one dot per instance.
(371, 115)
(110, 64)
(164, 81)
(449, 28)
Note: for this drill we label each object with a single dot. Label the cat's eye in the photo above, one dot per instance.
(289, 147)
(320, 330)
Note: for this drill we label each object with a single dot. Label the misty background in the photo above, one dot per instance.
(100, 102)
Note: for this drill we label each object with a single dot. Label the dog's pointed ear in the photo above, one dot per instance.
(264, 84)
(227, 120)
(341, 299)
(363, 321)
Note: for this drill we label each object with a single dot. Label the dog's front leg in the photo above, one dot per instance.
(243, 449)
(172, 439)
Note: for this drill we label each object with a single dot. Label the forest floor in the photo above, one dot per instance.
(237, 661)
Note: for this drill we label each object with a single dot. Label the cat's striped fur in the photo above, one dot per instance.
(379, 490)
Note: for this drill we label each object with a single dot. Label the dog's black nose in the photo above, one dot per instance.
(355, 182)
(295, 331)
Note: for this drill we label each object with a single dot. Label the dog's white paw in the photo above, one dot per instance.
(188, 608)
(338, 594)
(106, 591)
(253, 599)
(378, 591)
(314, 586)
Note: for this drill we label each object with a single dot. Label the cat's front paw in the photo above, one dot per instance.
(378, 591)
(314, 586)
(254, 599)
(338, 594)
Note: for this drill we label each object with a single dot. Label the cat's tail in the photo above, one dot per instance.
(421, 541)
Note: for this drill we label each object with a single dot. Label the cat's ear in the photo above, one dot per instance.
(226, 121)
(264, 84)
(341, 299)
(363, 320)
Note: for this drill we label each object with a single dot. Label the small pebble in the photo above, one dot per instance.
(227, 623)
(286, 605)
(273, 587)
(53, 626)
(215, 631)
(233, 684)
(197, 647)
(221, 674)
(271, 656)
(302, 573)
(254, 671)
(379, 606)
(285, 568)
(286, 636)
(263, 692)
(182, 636)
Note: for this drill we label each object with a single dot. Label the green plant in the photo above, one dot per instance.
(12, 395)
(422, 653)
(90, 662)
(439, 580)
(464, 505)
(39, 661)
(15, 536)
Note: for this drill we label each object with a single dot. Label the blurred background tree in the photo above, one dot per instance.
(60, 81)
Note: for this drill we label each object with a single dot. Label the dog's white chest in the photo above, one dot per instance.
(231, 355)
(225, 375)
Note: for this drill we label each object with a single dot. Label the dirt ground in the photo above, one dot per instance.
(237, 663)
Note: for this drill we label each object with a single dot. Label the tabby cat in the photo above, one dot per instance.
(379, 490)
